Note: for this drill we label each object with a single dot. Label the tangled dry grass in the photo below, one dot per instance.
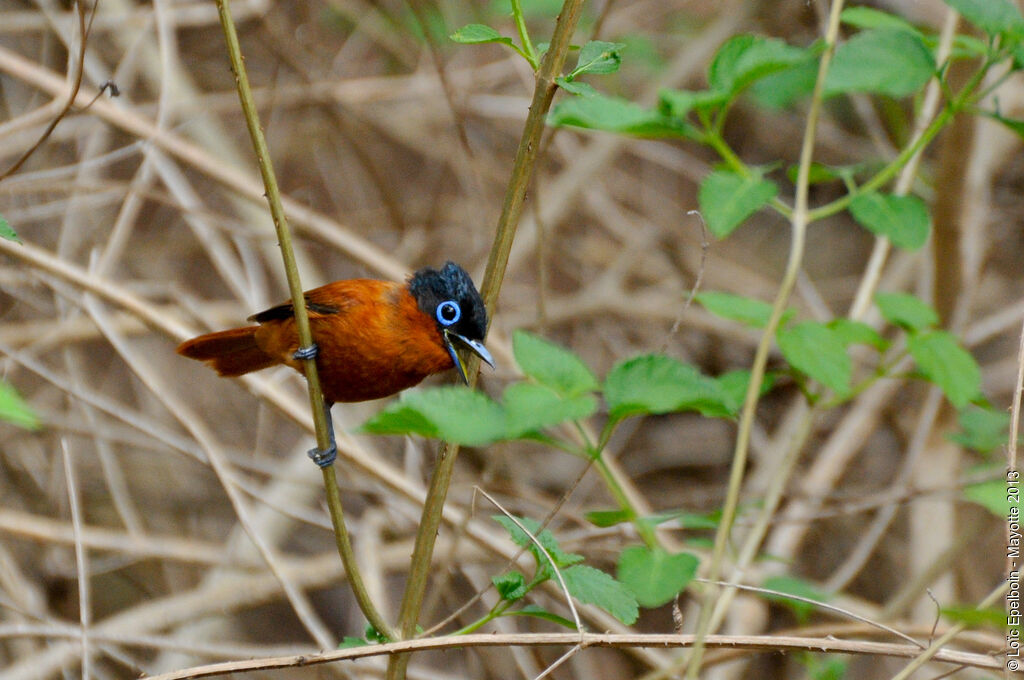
(143, 220)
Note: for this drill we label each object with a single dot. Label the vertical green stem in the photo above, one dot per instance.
(515, 194)
(323, 434)
(796, 252)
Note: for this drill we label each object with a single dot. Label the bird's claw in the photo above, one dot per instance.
(306, 352)
(324, 457)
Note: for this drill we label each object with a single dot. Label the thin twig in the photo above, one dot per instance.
(515, 195)
(324, 437)
(765, 643)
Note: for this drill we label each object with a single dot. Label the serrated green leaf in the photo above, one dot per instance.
(991, 16)
(727, 199)
(817, 351)
(904, 220)
(880, 61)
(857, 333)
(791, 585)
(531, 408)
(475, 34)
(578, 88)
(561, 558)
(511, 585)
(736, 308)
(593, 586)
(653, 383)
(599, 57)
(723, 66)
(868, 17)
(613, 114)
(946, 364)
(654, 575)
(6, 232)
(982, 429)
(783, 89)
(454, 413)
(906, 311)
(15, 410)
(745, 59)
(990, 495)
(552, 365)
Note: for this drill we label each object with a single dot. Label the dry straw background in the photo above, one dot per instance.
(144, 222)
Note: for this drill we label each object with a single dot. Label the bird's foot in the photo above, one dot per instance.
(324, 457)
(307, 352)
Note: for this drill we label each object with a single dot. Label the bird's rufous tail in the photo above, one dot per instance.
(231, 353)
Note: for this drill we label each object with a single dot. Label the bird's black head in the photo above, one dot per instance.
(449, 297)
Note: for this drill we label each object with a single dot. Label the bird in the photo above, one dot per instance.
(372, 338)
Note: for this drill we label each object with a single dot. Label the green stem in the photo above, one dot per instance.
(645, 530)
(800, 220)
(512, 207)
(316, 400)
(528, 51)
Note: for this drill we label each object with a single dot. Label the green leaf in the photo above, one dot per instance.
(904, 220)
(736, 308)
(552, 365)
(608, 518)
(906, 311)
(659, 384)
(614, 114)
(727, 199)
(794, 586)
(598, 56)
(351, 641)
(531, 408)
(511, 585)
(537, 612)
(991, 16)
(817, 351)
(747, 58)
(577, 87)
(15, 410)
(7, 232)
(677, 104)
(868, 17)
(990, 495)
(945, 363)
(475, 34)
(654, 575)
(456, 413)
(734, 389)
(982, 429)
(880, 61)
(561, 558)
(593, 586)
(857, 333)
(783, 89)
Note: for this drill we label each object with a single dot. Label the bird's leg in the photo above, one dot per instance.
(306, 352)
(325, 457)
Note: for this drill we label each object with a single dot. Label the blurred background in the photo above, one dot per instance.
(144, 222)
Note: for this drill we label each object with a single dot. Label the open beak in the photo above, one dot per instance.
(474, 346)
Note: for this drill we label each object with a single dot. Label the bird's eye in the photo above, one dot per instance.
(448, 312)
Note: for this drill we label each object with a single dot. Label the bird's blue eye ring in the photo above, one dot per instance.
(448, 313)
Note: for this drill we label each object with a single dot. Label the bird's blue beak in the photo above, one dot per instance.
(475, 346)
